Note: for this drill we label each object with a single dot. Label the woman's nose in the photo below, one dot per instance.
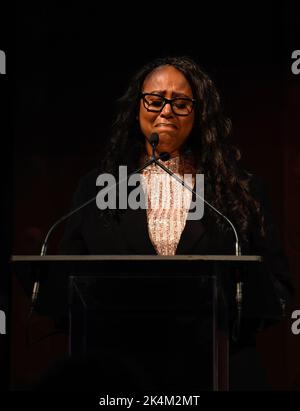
(167, 110)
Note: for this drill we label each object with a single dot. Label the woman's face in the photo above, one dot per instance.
(173, 130)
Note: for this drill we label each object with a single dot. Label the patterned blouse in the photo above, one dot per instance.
(167, 202)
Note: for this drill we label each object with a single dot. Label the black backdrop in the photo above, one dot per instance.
(73, 62)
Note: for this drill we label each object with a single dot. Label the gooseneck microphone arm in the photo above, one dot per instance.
(237, 245)
(36, 285)
(61, 220)
(66, 216)
(153, 140)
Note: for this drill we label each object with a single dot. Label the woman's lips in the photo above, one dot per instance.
(165, 125)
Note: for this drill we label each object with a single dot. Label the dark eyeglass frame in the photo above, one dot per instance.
(168, 101)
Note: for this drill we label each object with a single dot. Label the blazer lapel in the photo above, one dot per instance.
(134, 227)
(191, 234)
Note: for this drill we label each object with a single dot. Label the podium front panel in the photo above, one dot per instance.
(161, 330)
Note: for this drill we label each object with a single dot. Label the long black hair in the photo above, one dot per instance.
(226, 182)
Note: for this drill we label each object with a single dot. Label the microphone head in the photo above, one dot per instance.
(154, 139)
(164, 156)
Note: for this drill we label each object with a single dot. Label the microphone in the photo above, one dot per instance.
(154, 142)
(164, 156)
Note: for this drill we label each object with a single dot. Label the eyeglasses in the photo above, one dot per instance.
(155, 103)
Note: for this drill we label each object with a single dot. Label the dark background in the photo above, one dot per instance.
(71, 63)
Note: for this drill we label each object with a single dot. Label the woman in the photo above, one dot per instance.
(175, 99)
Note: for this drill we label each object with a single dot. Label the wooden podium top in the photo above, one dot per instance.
(60, 258)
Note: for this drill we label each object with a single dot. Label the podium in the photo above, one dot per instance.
(163, 319)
